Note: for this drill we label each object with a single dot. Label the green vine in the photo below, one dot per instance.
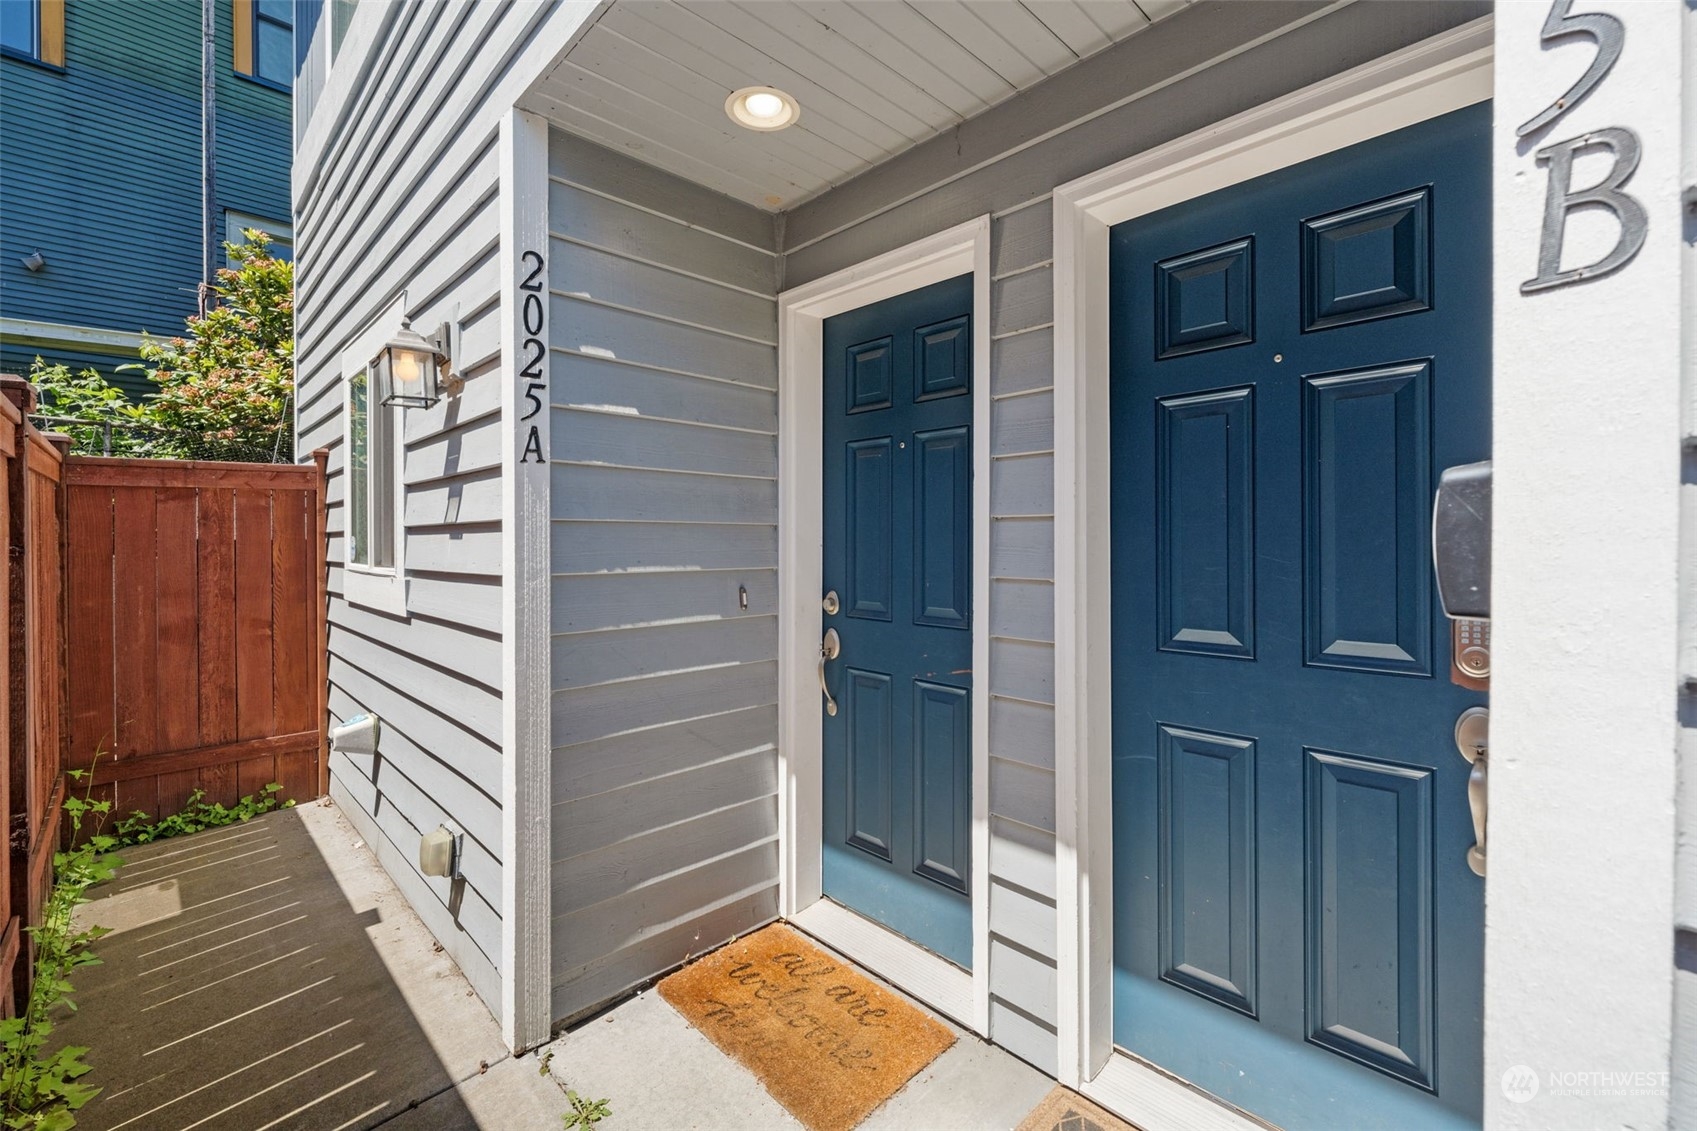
(198, 814)
(40, 1090)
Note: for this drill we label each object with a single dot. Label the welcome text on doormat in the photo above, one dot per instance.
(827, 1042)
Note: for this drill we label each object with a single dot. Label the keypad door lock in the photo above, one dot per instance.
(1471, 647)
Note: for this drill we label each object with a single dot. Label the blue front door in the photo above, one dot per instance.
(898, 555)
(1294, 360)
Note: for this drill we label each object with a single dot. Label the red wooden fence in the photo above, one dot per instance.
(31, 516)
(195, 614)
(162, 622)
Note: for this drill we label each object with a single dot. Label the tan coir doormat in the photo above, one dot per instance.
(828, 1043)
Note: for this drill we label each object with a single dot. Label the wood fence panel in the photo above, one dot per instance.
(254, 635)
(161, 623)
(34, 713)
(215, 649)
(10, 923)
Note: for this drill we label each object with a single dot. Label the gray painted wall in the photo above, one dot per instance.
(403, 198)
(1006, 162)
(664, 381)
(664, 494)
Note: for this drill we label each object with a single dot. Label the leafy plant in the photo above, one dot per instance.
(231, 381)
(106, 419)
(39, 1090)
(225, 387)
(585, 1113)
(198, 814)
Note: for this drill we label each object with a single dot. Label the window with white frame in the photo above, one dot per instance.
(373, 492)
(371, 489)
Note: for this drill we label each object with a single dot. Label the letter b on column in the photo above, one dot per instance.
(1561, 199)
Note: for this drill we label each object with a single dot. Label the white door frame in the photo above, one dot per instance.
(964, 249)
(1433, 77)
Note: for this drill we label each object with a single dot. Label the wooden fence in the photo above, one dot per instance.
(195, 621)
(163, 625)
(31, 517)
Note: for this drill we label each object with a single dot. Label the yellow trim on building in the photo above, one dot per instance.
(52, 33)
(242, 35)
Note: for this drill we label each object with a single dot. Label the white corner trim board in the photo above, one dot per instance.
(1433, 77)
(963, 249)
(526, 763)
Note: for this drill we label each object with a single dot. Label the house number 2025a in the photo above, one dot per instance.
(533, 351)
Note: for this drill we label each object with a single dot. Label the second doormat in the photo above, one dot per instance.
(827, 1042)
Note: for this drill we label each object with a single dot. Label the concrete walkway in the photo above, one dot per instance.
(270, 976)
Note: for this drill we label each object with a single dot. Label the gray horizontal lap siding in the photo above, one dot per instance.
(1178, 76)
(405, 199)
(664, 498)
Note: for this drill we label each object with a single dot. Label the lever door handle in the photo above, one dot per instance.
(829, 649)
(1472, 738)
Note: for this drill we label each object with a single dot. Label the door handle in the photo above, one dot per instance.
(1472, 738)
(829, 649)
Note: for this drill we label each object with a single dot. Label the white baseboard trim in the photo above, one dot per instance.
(1148, 1097)
(909, 967)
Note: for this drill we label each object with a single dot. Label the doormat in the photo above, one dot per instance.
(827, 1042)
(1063, 1110)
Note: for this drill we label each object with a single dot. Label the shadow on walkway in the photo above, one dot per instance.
(267, 975)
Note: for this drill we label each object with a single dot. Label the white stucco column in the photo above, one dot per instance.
(1585, 683)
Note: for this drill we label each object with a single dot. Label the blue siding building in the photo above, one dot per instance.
(101, 180)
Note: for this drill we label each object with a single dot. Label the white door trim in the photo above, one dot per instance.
(1436, 76)
(801, 314)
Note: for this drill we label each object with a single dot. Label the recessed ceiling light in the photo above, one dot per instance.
(762, 108)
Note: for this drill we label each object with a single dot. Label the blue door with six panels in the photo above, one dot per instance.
(1294, 360)
(898, 554)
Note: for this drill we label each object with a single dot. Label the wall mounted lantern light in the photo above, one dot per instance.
(411, 367)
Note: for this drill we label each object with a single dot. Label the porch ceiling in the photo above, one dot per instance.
(873, 78)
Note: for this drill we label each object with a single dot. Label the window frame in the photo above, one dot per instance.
(235, 223)
(383, 588)
(47, 42)
(245, 17)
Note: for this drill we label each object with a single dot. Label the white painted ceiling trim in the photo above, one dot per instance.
(873, 79)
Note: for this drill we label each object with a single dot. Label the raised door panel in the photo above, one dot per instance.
(1206, 814)
(942, 527)
(942, 724)
(1366, 475)
(868, 709)
(1205, 491)
(1369, 921)
(869, 506)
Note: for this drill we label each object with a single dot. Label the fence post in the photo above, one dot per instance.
(55, 819)
(321, 607)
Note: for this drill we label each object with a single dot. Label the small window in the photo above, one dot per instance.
(274, 41)
(373, 450)
(18, 20)
(237, 223)
(371, 482)
(33, 29)
(341, 18)
(264, 41)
